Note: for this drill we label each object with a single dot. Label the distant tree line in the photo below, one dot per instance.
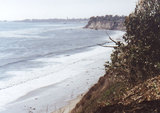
(108, 18)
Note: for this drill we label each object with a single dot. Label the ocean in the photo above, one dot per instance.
(31, 51)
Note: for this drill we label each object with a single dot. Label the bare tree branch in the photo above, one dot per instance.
(108, 46)
(111, 39)
(103, 44)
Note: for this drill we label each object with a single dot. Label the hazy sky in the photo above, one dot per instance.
(23, 9)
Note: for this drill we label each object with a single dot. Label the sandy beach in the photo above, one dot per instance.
(70, 105)
(79, 72)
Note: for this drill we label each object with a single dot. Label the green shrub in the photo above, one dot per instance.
(139, 57)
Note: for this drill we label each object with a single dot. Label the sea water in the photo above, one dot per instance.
(29, 49)
(21, 43)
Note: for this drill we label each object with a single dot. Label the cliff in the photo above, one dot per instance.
(118, 97)
(132, 80)
(108, 22)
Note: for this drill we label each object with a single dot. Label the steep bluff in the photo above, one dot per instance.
(118, 97)
(108, 22)
(132, 80)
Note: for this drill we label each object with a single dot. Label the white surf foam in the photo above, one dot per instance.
(57, 69)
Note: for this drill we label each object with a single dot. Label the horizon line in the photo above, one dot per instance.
(55, 18)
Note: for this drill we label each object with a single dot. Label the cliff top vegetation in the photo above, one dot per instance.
(107, 18)
(131, 83)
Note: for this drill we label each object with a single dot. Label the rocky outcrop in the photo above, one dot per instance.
(108, 22)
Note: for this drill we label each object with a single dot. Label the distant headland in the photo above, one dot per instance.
(53, 20)
(108, 22)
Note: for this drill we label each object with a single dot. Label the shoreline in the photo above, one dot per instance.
(82, 70)
(70, 105)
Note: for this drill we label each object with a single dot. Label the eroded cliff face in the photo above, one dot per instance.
(109, 96)
(108, 22)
